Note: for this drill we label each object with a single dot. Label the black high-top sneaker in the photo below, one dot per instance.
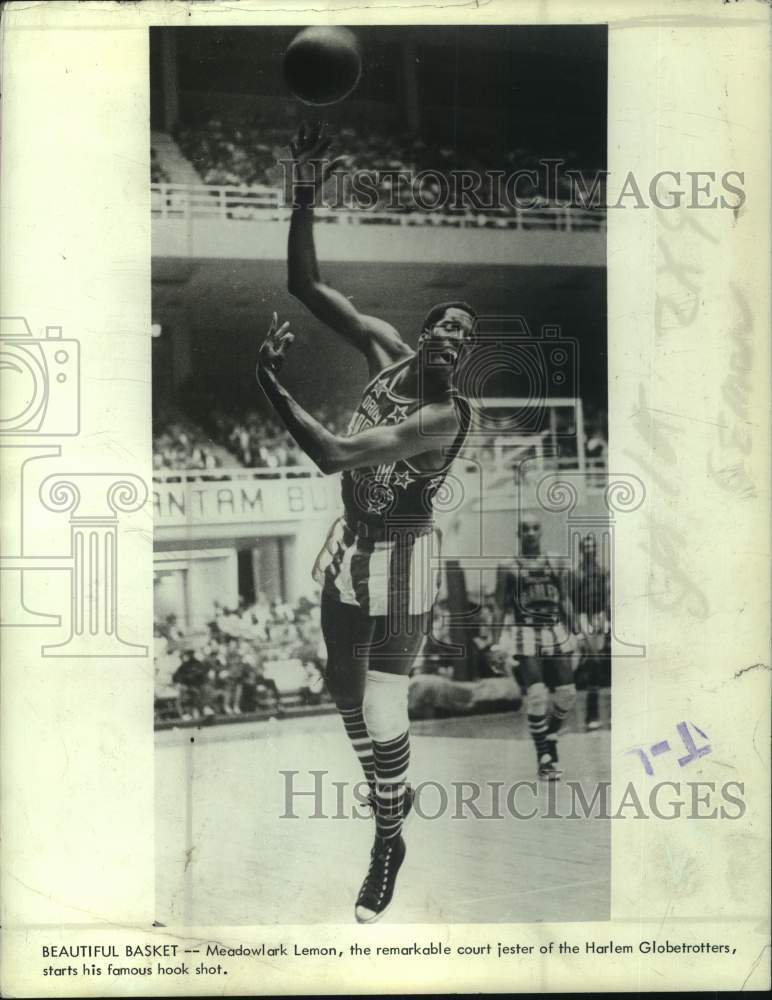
(377, 890)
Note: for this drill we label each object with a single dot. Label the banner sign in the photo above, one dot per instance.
(234, 501)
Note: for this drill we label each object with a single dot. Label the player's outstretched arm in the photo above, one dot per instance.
(436, 427)
(375, 338)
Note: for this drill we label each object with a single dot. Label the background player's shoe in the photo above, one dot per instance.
(548, 771)
(552, 743)
(592, 726)
(377, 890)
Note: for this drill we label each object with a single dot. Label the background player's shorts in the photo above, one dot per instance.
(595, 624)
(393, 577)
(537, 640)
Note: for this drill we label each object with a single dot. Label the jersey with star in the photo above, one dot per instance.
(394, 493)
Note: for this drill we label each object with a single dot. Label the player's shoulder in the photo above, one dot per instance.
(439, 416)
(382, 357)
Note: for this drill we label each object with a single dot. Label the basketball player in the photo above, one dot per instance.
(591, 598)
(534, 597)
(378, 587)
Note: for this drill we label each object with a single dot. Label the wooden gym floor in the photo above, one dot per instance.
(226, 854)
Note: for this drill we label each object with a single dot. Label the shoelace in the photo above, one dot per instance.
(372, 884)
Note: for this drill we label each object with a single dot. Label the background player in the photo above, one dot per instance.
(590, 594)
(375, 568)
(534, 596)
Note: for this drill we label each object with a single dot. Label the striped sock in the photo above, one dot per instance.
(538, 727)
(562, 703)
(391, 763)
(356, 730)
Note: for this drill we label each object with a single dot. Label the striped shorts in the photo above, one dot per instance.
(393, 577)
(537, 640)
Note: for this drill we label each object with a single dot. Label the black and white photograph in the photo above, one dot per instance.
(382, 550)
(384, 508)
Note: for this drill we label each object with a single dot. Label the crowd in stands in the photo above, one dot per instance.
(251, 657)
(229, 151)
(178, 443)
(253, 439)
(257, 440)
(260, 441)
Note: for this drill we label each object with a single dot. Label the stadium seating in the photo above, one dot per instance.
(230, 151)
(258, 441)
(263, 657)
(178, 443)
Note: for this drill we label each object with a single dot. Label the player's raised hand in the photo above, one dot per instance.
(311, 142)
(309, 149)
(273, 348)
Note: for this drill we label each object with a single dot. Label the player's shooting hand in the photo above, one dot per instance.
(308, 150)
(276, 343)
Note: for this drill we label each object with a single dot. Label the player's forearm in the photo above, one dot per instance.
(302, 265)
(316, 441)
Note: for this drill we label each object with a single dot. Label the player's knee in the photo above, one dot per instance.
(537, 699)
(342, 688)
(385, 705)
(565, 696)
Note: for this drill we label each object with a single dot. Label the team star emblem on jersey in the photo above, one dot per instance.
(379, 388)
(397, 415)
(402, 479)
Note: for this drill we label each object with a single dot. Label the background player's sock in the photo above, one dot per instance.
(354, 723)
(562, 703)
(592, 706)
(537, 725)
(391, 763)
(536, 701)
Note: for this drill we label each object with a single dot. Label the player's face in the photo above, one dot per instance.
(588, 550)
(444, 341)
(530, 537)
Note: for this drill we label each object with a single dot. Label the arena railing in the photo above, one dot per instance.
(265, 204)
(595, 468)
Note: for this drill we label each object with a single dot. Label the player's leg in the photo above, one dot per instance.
(392, 653)
(561, 669)
(593, 645)
(537, 700)
(558, 648)
(345, 628)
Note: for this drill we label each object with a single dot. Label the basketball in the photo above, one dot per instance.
(322, 65)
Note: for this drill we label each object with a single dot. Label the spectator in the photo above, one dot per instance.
(311, 691)
(197, 692)
(228, 151)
